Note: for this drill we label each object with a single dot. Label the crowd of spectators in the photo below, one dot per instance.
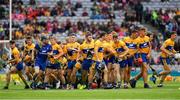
(4, 19)
(26, 22)
(100, 9)
(165, 20)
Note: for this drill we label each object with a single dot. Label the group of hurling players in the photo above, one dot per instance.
(104, 62)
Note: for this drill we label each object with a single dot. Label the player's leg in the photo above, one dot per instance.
(38, 74)
(117, 75)
(23, 79)
(76, 67)
(123, 66)
(73, 77)
(130, 62)
(92, 71)
(19, 68)
(8, 76)
(70, 66)
(164, 73)
(110, 74)
(86, 65)
(28, 73)
(145, 67)
(47, 77)
(105, 80)
(62, 78)
(145, 74)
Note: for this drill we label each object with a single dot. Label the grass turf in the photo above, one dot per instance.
(170, 91)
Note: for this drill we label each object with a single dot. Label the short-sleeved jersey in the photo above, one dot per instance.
(42, 52)
(109, 47)
(132, 44)
(29, 47)
(144, 46)
(56, 49)
(119, 47)
(86, 48)
(15, 52)
(100, 47)
(169, 46)
(72, 50)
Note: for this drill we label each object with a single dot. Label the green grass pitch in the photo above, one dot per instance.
(170, 91)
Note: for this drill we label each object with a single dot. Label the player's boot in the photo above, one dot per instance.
(6, 87)
(26, 87)
(89, 86)
(33, 85)
(146, 85)
(64, 86)
(125, 86)
(153, 79)
(160, 85)
(133, 83)
(58, 85)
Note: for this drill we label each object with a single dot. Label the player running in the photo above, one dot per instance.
(121, 62)
(72, 50)
(16, 65)
(132, 43)
(43, 49)
(87, 51)
(167, 52)
(28, 54)
(53, 70)
(144, 55)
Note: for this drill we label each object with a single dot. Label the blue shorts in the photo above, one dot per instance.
(87, 63)
(54, 66)
(167, 60)
(29, 64)
(106, 61)
(136, 55)
(71, 64)
(111, 60)
(97, 63)
(41, 65)
(19, 66)
(130, 61)
(144, 57)
(123, 63)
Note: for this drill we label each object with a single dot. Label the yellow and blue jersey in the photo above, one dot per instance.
(144, 44)
(71, 50)
(86, 48)
(132, 44)
(16, 55)
(169, 46)
(56, 49)
(28, 50)
(29, 47)
(99, 48)
(119, 46)
(15, 52)
(109, 49)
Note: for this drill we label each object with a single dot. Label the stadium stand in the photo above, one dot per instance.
(4, 20)
(64, 17)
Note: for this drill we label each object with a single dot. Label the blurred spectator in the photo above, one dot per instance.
(117, 5)
(139, 11)
(85, 13)
(32, 2)
(165, 20)
(78, 5)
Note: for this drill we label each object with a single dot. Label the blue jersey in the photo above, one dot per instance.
(42, 52)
